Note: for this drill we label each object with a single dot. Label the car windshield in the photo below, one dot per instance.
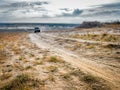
(36, 27)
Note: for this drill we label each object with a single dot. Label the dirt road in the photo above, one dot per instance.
(48, 42)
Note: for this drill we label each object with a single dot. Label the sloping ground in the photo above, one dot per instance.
(24, 66)
(57, 46)
(49, 63)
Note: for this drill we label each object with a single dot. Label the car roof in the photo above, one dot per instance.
(36, 27)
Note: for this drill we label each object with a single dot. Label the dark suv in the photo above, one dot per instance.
(37, 30)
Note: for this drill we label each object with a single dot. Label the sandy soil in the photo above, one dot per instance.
(99, 68)
(59, 61)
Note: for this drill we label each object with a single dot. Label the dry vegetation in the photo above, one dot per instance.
(114, 25)
(22, 82)
(23, 66)
(100, 37)
(101, 49)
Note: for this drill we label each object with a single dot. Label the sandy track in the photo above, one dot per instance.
(82, 40)
(46, 41)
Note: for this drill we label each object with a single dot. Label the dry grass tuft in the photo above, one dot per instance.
(21, 82)
(77, 72)
(3, 55)
(16, 49)
(110, 46)
(90, 79)
(52, 68)
(28, 67)
(95, 83)
(66, 76)
(32, 55)
(54, 59)
(37, 62)
(5, 76)
(100, 86)
(51, 78)
(90, 46)
(19, 66)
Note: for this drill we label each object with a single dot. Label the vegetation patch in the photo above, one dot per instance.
(28, 67)
(77, 72)
(98, 37)
(76, 46)
(90, 79)
(54, 59)
(37, 62)
(16, 50)
(95, 83)
(110, 46)
(3, 55)
(52, 68)
(32, 55)
(21, 82)
(66, 76)
(5, 76)
(90, 46)
(51, 78)
(100, 86)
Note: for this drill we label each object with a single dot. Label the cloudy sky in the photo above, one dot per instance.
(59, 11)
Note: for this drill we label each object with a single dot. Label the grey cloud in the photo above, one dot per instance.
(75, 13)
(22, 4)
(35, 10)
(65, 9)
(8, 10)
(104, 10)
(113, 5)
(42, 16)
(112, 12)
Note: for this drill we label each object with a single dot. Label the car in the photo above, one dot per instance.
(36, 30)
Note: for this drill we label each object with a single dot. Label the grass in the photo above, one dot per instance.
(99, 86)
(19, 66)
(90, 46)
(5, 76)
(112, 46)
(37, 62)
(51, 78)
(77, 72)
(55, 59)
(52, 59)
(16, 50)
(98, 37)
(76, 46)
(1, 46)
(21, 82)
(25, 82)
(66, 76)
(25, 60)
(37, 58)
(90, 79)
(108, 37)
(22, 58)
(116, 57)
(95, 83)
(32, 55)
(3, 55)
(28, 67)
(52, 68)
(18, 83)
